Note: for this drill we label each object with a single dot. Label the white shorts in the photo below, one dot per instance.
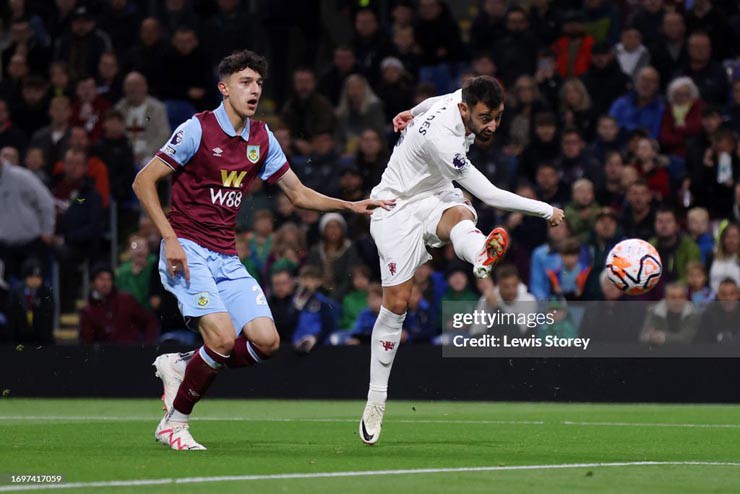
(403, 233)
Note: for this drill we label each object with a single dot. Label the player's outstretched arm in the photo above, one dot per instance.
(145, 188)
(482, 188)
(306, 198)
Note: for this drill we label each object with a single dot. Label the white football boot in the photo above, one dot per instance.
(163, 431)
(371, 422)
(493, 250)
(170, 368)
(176, 435)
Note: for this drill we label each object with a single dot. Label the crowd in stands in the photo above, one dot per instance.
(626, 114)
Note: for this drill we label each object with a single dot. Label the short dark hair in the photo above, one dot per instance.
(240, 60)
(666, 209)
(483, 89)
(545, 119)
(506, 271)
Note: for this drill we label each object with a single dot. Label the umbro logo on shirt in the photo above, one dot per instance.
(217, 152)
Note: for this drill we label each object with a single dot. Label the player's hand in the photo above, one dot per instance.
(367, 206)
(557, 216)
(402, 120)
(177, 261)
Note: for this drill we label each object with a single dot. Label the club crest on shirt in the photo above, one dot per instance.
(177, 138)
(459, 161)
(202, 299)
(253, 153)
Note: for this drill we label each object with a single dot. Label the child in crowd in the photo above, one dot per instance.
(581, 211)
(569, 281)
(699, 292)
(698, 226)
(316, 319)
(356, 300)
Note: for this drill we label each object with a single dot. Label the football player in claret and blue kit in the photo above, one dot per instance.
(212, 158)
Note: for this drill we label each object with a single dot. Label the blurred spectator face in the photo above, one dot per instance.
(698, 221)
(360, 281)
(484, 65)
(645, 150)
(607, 129)
(135, 88)
(21, 32)
(59, 111)
(647, 83)
(392, 74)
(58, 75)
(344, 60)
(138, 249)
(10, 154)
(572, 145)
(524, 89)
(699, 48)
(304, 83)
(283, 284)
(638, 197)
(366, 23)
(374, 301)
(356, 86)
(682, 95)
(558, 233)
(583, 193)
(728, 295)
(429, 10)
(263, 226)
(149, 32)
(666, 226)
(103, 283)
(108, 66)
(4, 114)
(185, 41)
(310, 283)
(573, 94)
(570, 261)
(605, 227)
(34, 281)
(75, 165)
(547, 178)
(613, 167)
(227, 6)
(573, 28)
(322, 144)
(674, 27)
(731, 239)
(457, 280)
(402, 15)
(696, 278)
(242, 247)
(32, 94)
(86, 90)
(601, 60)
(629, 176)
(545, 133)
(676, 298)
(82, 25)
(711, 123)
(652, 6)
(78, 139)
(631, 39)
(17, 68)
(508, 288)
(403, 38)
(351, 182)
(114, 127)
(333, 233)
(370, 144)
(35, 159)
(516, 22)
(495, 8)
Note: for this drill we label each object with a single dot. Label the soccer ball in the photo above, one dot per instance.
(634, 266)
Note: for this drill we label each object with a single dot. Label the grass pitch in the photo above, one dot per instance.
(107, 446)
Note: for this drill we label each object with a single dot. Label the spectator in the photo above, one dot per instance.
(581, 212)
(307, 111)
(176, 13)
(696, 149)
(35, 162)
(352, 188)
(281, 302)
(604, 236)
(120, 19)
(575, 108)
(356, 299)
(83, 44)
(525, 103)
(675, 248)
(288, 248)
(370, 45)
(575, 161)
(134, 275)
(458, 297)
(315, 312)
(612, 321)
(631, 54)
(716, 178)
(109, 80)
(698, 284)
(115, 151)
(648, 18)
(146, 118)
(31, 308)
(563, 324)
(643, 107)
(682, 118)
(96, 169)
(260, 242)
(573, 49)
(371, 158)
(228, 30)
(23, 41)
(516, 52)
(343, 65)
(9, 154)
(550, 188)
(334, 255)
(437, 33)
(27, 216)
(247, 257)
(61, 82)
(672, 320)
(188, 70)
(699, 231)
(406, 50)
(10, 135)
(608, 139)
(53, 138)
(146, 55)
(547, 77)
(603, 20)
(733, 109)
(32, 112)
(653, 168)
(111, 316)
(10, 87)
(525, 234)
(720, 323)
(359, 108)
(395, 89)
(546, 257)
(709, 75)
(510, 296)
(638, 217)
(604, 79)
(489, 25)
(544, 19)
(704, 17)
(544, 146)
(568, 280)
(726, 262)
(669, 50)
(89, 109)
(363, 328)
(419, 325)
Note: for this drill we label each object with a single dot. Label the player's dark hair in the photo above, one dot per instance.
(240, 60)
(483, 89)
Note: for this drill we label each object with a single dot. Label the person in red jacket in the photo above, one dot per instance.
(573, 49)
(111, 316)
(682, 117)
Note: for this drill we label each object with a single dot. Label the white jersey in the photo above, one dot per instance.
(429, 155)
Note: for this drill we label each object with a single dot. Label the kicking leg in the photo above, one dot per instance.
(456, 226)
(384, 344)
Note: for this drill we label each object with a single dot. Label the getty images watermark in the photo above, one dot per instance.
(620, 329)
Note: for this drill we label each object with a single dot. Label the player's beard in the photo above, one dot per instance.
(476, 130)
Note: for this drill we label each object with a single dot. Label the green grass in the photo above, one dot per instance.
(321, 436)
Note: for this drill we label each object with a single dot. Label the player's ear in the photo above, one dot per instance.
(464, 109)
(223, 88)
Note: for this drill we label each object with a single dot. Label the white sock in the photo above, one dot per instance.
(384, 344)
(176, 416)
(467, 240)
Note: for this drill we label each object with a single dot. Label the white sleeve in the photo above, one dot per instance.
(425, 105)
(477, 184)
(447, 154)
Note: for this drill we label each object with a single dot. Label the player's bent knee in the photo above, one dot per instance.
(262, 333)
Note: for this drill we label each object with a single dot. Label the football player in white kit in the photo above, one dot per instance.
(430, 211)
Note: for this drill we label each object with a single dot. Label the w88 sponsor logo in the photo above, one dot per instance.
(228, 198)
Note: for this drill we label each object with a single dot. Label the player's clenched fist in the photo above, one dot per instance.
(557, 216)
(402, 120)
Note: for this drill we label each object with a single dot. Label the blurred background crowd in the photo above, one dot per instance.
(624, 113)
